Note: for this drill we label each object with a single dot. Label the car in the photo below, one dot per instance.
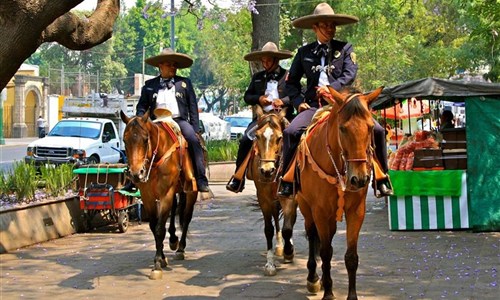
(77, 141)
(239, 124)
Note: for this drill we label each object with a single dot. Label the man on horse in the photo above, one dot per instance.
(326, 61)
(266, 89)
(176, 94)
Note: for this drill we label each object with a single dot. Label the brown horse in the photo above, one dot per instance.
(159, 164)
(263, 170)
(335, 162)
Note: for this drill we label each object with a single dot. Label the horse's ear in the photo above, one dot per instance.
(283, 113)
(145, 116)
(336, 96)
(124, 117)
(258, 110)
(373, 95)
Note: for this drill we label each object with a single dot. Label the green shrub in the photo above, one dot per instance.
(222, 150)
(6, 183)
(57, 179)
(24, 180)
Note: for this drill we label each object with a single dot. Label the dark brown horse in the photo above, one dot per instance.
(159, 165)
(263, 170)
(335, 164)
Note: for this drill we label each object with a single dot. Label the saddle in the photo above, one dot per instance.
(166, 121)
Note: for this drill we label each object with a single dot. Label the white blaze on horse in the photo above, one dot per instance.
(263, 170)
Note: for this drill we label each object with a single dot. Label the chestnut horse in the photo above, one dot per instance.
(263, 170)
(159, 165)
(334, 160)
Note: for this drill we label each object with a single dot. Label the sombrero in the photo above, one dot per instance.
(323, 13)
(162, 113)
(182, 60)
(269, 49)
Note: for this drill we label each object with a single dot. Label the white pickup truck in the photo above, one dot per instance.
(77, 141)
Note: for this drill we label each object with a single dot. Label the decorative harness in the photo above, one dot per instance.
(339, 179)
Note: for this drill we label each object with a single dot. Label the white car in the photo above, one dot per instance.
(238, 125)
(77, 141)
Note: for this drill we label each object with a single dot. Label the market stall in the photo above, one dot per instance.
(456, 184)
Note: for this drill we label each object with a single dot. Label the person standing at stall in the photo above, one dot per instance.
(267, 89)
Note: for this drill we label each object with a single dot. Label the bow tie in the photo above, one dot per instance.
(321, 50)
(272, 76)
(166, 83)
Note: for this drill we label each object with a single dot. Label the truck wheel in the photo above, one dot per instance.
(122, 221)
(92, 160)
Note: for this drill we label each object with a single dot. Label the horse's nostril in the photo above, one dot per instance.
(354, 180)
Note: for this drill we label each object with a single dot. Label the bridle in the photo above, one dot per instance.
(267, 118)
(345, 161)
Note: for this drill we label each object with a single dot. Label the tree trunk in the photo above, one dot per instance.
(25, 25)
(266, 25)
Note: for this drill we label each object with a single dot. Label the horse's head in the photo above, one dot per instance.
(137, 145)
(353, 133)
(268, 136)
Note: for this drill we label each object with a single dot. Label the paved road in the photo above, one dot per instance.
(225, 258)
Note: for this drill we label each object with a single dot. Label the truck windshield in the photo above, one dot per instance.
(73, 128)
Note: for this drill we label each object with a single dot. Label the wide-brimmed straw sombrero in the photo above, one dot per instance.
(269, 49)
(182, 60)
(324, 13)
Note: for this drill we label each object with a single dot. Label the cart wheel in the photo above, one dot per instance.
(123, 221)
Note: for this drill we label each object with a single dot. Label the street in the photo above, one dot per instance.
(225, 256)
(10, 154)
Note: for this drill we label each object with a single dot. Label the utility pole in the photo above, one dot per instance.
(172, 26)
(143, 65)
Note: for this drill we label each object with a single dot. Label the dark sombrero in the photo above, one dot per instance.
(323, 13)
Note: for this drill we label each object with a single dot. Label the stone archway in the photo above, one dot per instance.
(31, 109)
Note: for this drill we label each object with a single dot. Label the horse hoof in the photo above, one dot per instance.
(313, 287)
(174, 246)
(269, 270)
(288, 258)
(156, 274)
(164, 263)
(179, 255)
(278, 251)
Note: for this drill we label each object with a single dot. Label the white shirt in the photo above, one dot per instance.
(166, 99)
(271, 93)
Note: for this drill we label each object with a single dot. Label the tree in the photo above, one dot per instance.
(49, 21)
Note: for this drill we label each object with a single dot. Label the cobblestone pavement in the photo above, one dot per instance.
(226, 254)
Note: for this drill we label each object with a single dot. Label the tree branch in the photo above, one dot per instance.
(78, 33)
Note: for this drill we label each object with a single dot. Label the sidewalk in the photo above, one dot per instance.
(18, 141)
(225, 256)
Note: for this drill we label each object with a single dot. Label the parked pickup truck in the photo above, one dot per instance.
(77, 141)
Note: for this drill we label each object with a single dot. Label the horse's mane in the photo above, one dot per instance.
(354, 107)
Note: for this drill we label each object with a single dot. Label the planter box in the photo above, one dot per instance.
(220, 171)
(40, 222)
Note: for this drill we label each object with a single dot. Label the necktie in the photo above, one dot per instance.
(166, 83)
(321, 50)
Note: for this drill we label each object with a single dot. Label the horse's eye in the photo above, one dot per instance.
(342, 129)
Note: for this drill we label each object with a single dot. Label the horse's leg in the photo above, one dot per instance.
(326, 231)
(354, 220)
(186, 208)
(313, 283)
(278, 250)
(157, 226)
(289, 206)
(266, 206)
(173, 240)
